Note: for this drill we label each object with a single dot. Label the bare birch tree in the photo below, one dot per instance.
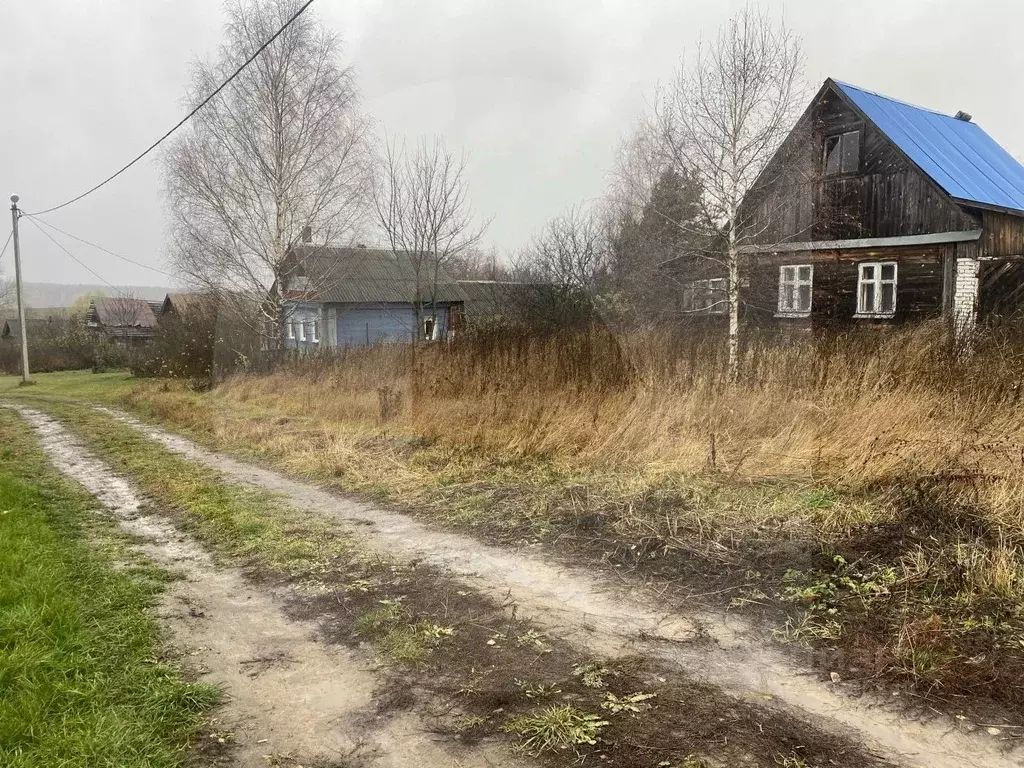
(722, 118)
(571, 251)
(422, 208)
(283, 148)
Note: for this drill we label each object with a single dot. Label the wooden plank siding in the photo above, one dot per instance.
(887, 197)
(1003, 235)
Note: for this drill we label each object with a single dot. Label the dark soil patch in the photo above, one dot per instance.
(917, 636)
(494, 666)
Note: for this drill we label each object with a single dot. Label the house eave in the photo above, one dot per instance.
(988, 207)
(933, 238)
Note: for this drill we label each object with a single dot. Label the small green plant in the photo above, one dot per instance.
(809, 627)
(630, 703)
(387, 613)
(555, 728)
(434, 633)
(395, 637)
(531, 637)
(468, 723)
(591, 675)
(538, 690)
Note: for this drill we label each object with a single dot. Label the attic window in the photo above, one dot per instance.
(842, 153)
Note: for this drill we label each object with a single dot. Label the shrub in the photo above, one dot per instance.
(183, 346)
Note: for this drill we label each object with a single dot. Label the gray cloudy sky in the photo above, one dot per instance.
(539, 92)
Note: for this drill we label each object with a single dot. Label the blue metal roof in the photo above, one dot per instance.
(959, 156)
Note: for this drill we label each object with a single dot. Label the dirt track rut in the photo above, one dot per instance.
(292, 700)
(588, 610)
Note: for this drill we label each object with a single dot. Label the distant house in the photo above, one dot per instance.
(126, 321)
(178, 303)
(11, 329)
(344, 297)
(874, 212)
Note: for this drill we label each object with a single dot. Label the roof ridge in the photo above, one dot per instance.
(843, 84)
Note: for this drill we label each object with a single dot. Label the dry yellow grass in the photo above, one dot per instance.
(860, 412)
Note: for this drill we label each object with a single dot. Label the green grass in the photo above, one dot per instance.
(239, 523)
(101, 387)
(81, 680)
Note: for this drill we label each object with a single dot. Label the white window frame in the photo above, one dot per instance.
(706, 289)
(302, 330)
(289, 330)
(875, 310)
(794, 310)
(315, 332)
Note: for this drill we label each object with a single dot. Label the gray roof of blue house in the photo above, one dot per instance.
(371, 276)
(957, 154)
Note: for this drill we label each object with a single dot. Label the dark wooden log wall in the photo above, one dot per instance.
(919, 285)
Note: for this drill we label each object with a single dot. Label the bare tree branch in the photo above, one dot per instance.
(282, 149)
(421, 206)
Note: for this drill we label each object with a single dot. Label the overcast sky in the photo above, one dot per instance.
(539, 92)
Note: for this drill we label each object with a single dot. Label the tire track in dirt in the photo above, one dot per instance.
(291, 700)
(589, 611)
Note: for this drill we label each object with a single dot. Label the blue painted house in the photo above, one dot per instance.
(351, 297)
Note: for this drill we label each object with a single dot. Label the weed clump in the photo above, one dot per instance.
(556, 728)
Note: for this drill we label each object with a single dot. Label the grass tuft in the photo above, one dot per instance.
(556, 728)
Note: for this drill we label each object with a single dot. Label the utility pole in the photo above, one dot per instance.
(15, 215)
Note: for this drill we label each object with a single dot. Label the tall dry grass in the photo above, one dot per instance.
(879, 408)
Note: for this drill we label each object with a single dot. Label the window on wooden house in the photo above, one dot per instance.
(842, 153)
(876, 289)
(796, 283)
(428, 328)
(314, 328)
(302, 330)
(289, 330)
(706, 296)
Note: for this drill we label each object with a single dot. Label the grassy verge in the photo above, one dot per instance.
(441, 642)
(81, 680)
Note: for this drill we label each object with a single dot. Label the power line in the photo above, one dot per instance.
(75, 258)
(97, 247)
(185, 119)
(4, 249)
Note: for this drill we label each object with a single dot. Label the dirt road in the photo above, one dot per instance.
(580, 606)
(292, 700)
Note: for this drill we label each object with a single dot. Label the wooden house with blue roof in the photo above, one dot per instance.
(875, 211)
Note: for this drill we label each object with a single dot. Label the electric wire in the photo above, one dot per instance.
(98, 247)
(185, 119)
(78, 261)
(4, 249)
